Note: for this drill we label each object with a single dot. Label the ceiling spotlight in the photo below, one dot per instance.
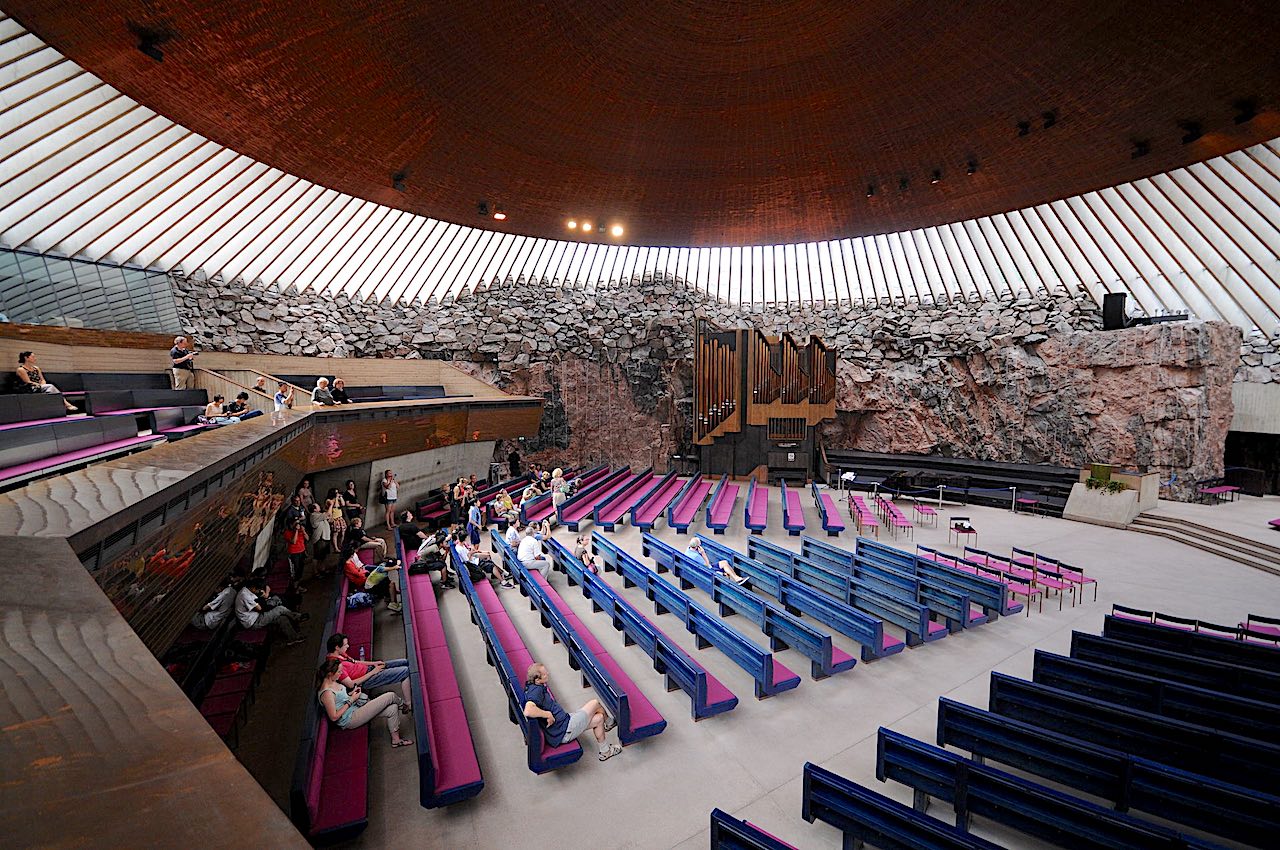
(616, 230)
(571, 224)
(871, 190)
(397, 181)
(1191, 131)
(482, 207)
(498, 214)
(1050, 118)
(936, 178)
(1024, 128)
(903, 183)
(586, 227)
(971, 167)
(1141, 148)
(1246, 110)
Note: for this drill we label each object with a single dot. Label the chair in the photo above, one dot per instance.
(958, 526)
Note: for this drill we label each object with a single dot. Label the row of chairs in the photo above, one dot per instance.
(1198, 756)
(892, 517)
(1255, 628)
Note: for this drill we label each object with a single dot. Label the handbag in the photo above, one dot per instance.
(359, 599)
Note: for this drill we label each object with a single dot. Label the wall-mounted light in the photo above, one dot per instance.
(587, 227)
(936, 177)
(498, 214)
(871, 190)
(571, 224)
(971, 167)
(398, 181)
(482, 207)
(615, 230)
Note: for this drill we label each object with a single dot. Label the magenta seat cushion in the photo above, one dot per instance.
(934, 628)
(839, 656)
(438, 677)
(887, 640)
(453, 751)
(716, 691)
(343, 799)
(782, 673)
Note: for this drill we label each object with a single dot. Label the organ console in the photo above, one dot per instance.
(752, 391)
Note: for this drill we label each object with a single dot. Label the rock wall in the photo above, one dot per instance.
(1024, 380)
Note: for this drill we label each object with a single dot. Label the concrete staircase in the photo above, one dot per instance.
(1242, 550)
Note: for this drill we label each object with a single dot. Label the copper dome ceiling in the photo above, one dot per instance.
(695, 123)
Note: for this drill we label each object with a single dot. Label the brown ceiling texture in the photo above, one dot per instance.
(694, 123)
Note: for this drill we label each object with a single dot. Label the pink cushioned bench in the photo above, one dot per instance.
(1275, 523)
(11, 425)
(31, 469)
(756, 510)
(792, 512)
(830, 514)
(337, 790)
(607, 516)
(720, 510)
(684, 510)
(642, 719)
(448, 769)
(645, 514)
(575, 511)
(541, 757)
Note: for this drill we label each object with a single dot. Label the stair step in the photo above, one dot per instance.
(1241, 554)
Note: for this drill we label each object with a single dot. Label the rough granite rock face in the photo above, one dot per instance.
(1157, 398)
(1027, 379)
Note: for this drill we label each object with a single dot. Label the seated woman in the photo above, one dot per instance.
(504, 508)
(321, 395)
(352, 709)
(339, 392)
(215, 413)
(31, 379)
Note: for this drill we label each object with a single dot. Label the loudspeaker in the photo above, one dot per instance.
(1113, 318)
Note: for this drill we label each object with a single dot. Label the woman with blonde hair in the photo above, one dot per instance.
(335, 506)
(559, 487)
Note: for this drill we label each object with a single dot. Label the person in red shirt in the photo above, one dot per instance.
(370, 674)
(295, 541)
(375, 581)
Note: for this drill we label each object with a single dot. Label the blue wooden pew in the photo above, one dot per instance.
(1244, 682)
(1211, 647)
(1193, 800)
(828, 510)
(771, 675)
(832, 610)
(637, 717)
(948, 598)
(871, 596)
(1222, 755)
(707, 696)
(991, 594)
(1247, 717)
(1032, 808)
(505, 651)
(729, 833)
(783, 629)
(863, 815)
(792, 513)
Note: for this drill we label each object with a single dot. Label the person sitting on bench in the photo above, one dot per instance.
(351, 709)
(370, 674)
(357, 540)
(216, 610)
(559, 727)
(695, 551)
(31, 379)
(376, 581)
(531, 555)
(478, 558)
(256, 608)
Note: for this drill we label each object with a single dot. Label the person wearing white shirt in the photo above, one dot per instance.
(530, 554)
(253, 614)
(216, 610)
(513, 535)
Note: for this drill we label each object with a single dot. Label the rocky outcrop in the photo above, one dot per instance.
(1013, 379)
(1157, 398)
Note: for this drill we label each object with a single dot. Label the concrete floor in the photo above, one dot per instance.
(659, 792)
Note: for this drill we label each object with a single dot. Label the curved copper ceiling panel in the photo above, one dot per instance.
(693, 123)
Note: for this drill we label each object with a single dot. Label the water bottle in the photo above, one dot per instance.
(362, 652)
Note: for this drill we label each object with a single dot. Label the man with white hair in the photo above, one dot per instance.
(183, 364)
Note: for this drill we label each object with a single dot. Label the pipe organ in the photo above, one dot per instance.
(757, 399)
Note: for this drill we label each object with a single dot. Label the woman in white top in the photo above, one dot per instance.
(343, 708)
(389, 491)
(559, 487)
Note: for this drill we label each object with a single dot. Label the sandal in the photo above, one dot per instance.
(403, 742)
(613, 750)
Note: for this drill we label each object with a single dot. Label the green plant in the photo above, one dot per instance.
(1105, 485)
(1116, 487)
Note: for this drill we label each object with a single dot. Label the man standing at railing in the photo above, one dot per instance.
(183, 361)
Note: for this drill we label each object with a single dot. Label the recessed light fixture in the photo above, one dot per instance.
(397, 181)
(571, 224)
(616, 230)
(971, 167)
(1050, 118)
(936, 178)
(586, 227)
(482, 207)
(871, 190)
(499, 215)
(903, 183)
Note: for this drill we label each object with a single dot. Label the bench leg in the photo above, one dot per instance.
(920, 801)
(851, 842)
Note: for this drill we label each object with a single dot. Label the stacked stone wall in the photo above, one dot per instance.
(1029, 380)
